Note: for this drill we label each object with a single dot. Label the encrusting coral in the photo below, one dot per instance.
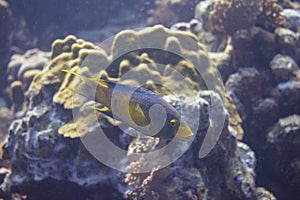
(255, 46)
(250, 26)
(233, 15)
(21, 71)
(35, 137)
(263, 73)
(264, 95)
(71, 53)
(168, 12)
(191, 178)
(283, 150)
(6, 118)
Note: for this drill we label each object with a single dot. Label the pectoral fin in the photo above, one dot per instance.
(104, 110)
(137, 114)
(103, 83)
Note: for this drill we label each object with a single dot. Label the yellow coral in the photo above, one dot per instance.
(134, 51)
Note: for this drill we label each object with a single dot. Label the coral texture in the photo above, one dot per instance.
(233, 15)
(200, 178)
(168, 12)
(254, 44)
(283, 151)
(47, 136)
(249, 26)
(71, 53)
(21, 71)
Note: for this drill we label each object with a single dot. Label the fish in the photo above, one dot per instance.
(135, 107)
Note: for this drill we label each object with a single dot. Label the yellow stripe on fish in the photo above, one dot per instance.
(132, 105)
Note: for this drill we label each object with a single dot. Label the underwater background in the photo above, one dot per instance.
(253, 44)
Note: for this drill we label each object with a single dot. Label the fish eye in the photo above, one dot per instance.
(173, 122)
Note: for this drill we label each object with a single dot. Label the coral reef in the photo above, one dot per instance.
(253, 44)
(35, 147)
(41, 149)
(200, 179)
(21, 71)
(288, 97)
(35, 156)
(264, 95)
(249, 24)
(214, 42)
(6, 118)
(283, 68)
(257, 92)
(71, 52)
(263, 75)
(287, 42)
(245, 83)
(20, 65)
(292, 18)
(168, 12)
(183, 48)
(270, 96)
(233, 15)
(282, 156)
(289, 4)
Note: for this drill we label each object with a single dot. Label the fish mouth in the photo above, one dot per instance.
(184, 133)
